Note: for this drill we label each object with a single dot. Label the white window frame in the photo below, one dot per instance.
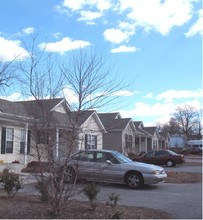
(9, 139)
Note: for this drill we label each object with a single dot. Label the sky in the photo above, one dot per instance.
(156, 45)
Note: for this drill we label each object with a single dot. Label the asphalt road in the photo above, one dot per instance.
(181, 201)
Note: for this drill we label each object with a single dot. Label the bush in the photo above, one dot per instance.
(10, 182)
(91, 191)
(42, 187)
(112, 203)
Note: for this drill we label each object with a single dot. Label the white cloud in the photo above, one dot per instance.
(153, 15)
(28, 30)
(81, 4)
(197, 28)
(149, 95)
(115, 35)
(123, 93)
(89, 16)
(158, 15)
(124, 49)
(74, 5)
(171, 95)
(161, 111)
(11, 50)
(13, 97)
(66, 44)
(70, 95)
(88, 10)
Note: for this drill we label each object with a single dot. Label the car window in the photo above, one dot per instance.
(162, 153)
(150, 154)
(84, 156)
(121, 158)
(100, 157)
(111, 158)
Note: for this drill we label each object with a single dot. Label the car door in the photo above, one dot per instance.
(161, 157)
(107, 168)
(150, 157)
(84, 164)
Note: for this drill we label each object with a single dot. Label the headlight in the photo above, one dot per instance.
(156, 172)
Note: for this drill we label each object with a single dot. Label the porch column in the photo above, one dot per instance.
(26, 139)
(146, 145)
(57, 143)
(140, 144)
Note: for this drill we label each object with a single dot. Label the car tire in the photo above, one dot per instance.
(170, 163)
(134, 180)
(69, 175)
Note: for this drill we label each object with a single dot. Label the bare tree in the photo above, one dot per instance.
(187, 118)
(89, 75)
(7, 73)
(45, 78)
(172, 126)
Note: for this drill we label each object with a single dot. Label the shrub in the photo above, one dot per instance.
(91, 191)
(42, 187)
(10, 182)
(112, 203)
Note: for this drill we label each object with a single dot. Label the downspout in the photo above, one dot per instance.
(26, 143)
(57, 143)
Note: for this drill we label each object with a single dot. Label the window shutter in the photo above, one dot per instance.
(86, 141)
(28, 142)
(95, 142)
(3, 140)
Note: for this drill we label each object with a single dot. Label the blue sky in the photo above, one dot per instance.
(155, 44)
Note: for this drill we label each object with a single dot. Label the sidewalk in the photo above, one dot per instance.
(27, 178)
(13, 167)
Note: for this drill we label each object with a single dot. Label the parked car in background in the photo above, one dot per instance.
(194, 147)
(113, 167)
(161, 157)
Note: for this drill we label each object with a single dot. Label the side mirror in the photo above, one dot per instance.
(109, 162)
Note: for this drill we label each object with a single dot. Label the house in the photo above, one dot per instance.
(150, 138)
(91, 129)
(28, 126)
(142, 138)
(37, 129)
(120, 133)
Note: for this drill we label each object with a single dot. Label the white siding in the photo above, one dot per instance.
(90, 127)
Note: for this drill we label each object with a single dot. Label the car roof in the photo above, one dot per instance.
(98, 150)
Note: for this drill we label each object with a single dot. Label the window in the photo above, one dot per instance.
(42, 137)
(84, 156)
(128, 141)
(9, 140)
(150, 154)
(22, 140)
(100, 157)
(90, 141)
(161, 153)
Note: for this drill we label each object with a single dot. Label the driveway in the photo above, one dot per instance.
(182, 201)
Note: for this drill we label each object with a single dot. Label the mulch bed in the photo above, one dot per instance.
(183, 177)
(30, 207)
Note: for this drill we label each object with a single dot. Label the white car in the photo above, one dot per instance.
(113, 167)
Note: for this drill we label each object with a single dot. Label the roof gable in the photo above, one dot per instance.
(113, 121)
(82, 117)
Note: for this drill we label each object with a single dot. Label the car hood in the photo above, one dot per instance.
(143, 166)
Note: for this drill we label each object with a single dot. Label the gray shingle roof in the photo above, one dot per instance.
(111, 121)
(12, 108)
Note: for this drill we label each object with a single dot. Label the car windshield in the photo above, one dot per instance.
(121, 158)
(172, 152)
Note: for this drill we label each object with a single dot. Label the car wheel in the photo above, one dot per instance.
(134, 180)
(69, 175)
(170, 163)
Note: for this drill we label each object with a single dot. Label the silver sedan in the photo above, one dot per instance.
(113, 167)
